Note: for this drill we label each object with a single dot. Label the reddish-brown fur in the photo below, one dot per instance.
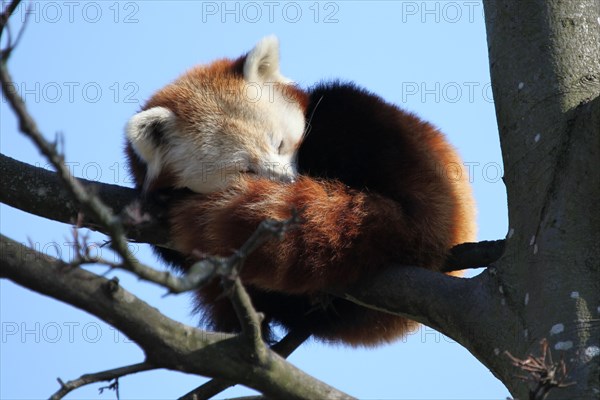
(380, 186)
(222, 78)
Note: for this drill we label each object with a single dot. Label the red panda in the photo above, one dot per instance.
(372, 184)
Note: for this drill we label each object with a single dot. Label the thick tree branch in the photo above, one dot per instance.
(440, 301)
(466, 310)
(284, 348)
(38, 191)
(166, 343)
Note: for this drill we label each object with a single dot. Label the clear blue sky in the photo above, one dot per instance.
(85, 67)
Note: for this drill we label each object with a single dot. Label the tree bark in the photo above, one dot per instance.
(40, 192)
(545, 69)
(166, 343)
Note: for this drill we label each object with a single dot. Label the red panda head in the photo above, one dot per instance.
(217, 122)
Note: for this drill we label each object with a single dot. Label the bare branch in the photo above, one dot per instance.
(107, 375)
(474, 255)
(291, 342)
(39, 191)
(208, 390)
(5, 16)
(284, 348)
(250, 320)
(229, 269)
(250, 398)
(90, 203)
(457, 307)
(166, 343)
(11, 44)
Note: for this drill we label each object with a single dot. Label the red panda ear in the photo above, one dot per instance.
(148, 131)
(262, 62)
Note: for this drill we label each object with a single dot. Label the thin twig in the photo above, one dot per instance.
(543, 374)
(4, 26)
(5, 16)
(201, 272)
(250, 320)
(90, 203)
(107, 375)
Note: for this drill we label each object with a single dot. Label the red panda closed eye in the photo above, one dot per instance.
(218, 122)
(376, 185)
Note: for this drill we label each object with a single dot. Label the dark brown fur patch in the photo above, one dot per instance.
(379, 193)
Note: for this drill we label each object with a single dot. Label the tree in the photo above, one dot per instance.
(549, 119)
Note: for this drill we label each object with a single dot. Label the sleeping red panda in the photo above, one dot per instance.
(373, 185)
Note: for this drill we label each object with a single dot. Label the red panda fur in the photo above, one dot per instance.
(378, 186)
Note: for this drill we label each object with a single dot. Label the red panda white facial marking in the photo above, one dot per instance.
(214, 124)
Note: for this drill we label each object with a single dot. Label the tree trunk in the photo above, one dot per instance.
(545, 69)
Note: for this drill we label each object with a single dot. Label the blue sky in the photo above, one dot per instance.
(85, 67)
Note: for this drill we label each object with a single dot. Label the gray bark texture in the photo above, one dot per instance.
(545, 67)
(166, 343)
